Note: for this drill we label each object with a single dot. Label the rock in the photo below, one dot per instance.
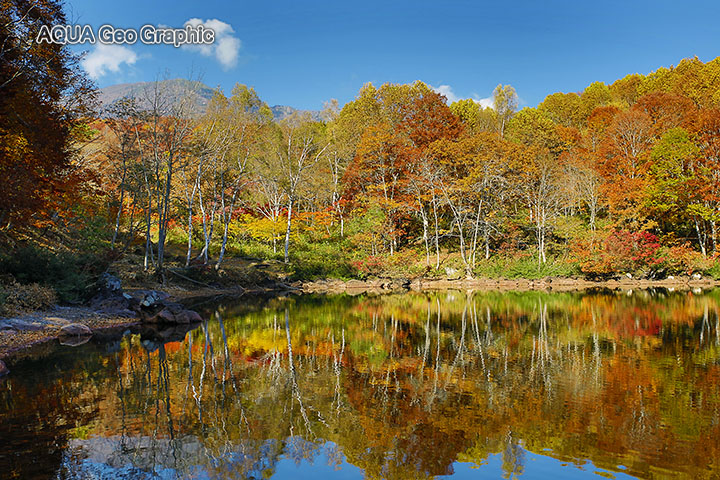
(629, 275)
(166, 316)
(57, 321)
(110, 283)
(696, 276)
(75, 329)
(356, 284)
(74, 341)
(117, 305)
(4, 326)
(3, 369)
(670, 277)
(188, 316)
(110, 298)
(21, 325)
(148, 298)
(168, 312)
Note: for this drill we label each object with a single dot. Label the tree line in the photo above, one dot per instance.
(620, 177)
(615, 178)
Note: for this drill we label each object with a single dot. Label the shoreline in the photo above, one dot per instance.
(557, 284)
(37, 328)
(22, 332)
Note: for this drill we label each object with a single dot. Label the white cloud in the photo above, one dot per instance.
(447, 91)
(107, 58)
(226, 47)
(484, 102)
(453, 97)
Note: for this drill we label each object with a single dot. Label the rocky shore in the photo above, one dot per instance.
(355, 287)
(111, 311)
(158, 316)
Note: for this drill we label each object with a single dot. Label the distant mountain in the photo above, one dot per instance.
(283, 111)
(142, 91)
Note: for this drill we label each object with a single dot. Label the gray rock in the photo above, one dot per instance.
(6, 327)
(169, 312)
(188, 316)
(356, 284)
(110, 283)
(148, 298)
(21, 325)
(3, 369)
(75, 329)
(696, 276)
(74, 341)
(116, 305)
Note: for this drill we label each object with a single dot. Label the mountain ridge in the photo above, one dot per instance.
(109, 95)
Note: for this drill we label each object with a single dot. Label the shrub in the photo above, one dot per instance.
(310, 260)
(372, 265)
(619, 251)
(683, 260)
(524, 264)
(16, 298)
(69, 275)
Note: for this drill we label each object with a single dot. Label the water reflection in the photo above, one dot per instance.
(403, 386)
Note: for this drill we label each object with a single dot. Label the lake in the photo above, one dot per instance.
(404, 386)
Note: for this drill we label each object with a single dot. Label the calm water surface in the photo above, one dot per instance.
(411, 386)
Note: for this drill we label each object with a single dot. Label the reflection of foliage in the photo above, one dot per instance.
(404, 385)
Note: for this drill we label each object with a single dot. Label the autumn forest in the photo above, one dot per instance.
(618, 179)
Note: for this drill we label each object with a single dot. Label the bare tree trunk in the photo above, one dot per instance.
(149, 258)
(163, 222)
(437, 241)
(425, 233)
(120, 207)
(487, 241)
(475, 232)
(287, 230)
(702, 237)
(189, 233)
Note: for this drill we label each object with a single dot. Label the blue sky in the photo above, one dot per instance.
(302, 53)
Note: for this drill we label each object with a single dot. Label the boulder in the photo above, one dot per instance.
(74, 341)
(75, 330)
(188, 316)
(149, 298)
(110, 298)
(118, 305)
(169, 312)
(3, 369)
